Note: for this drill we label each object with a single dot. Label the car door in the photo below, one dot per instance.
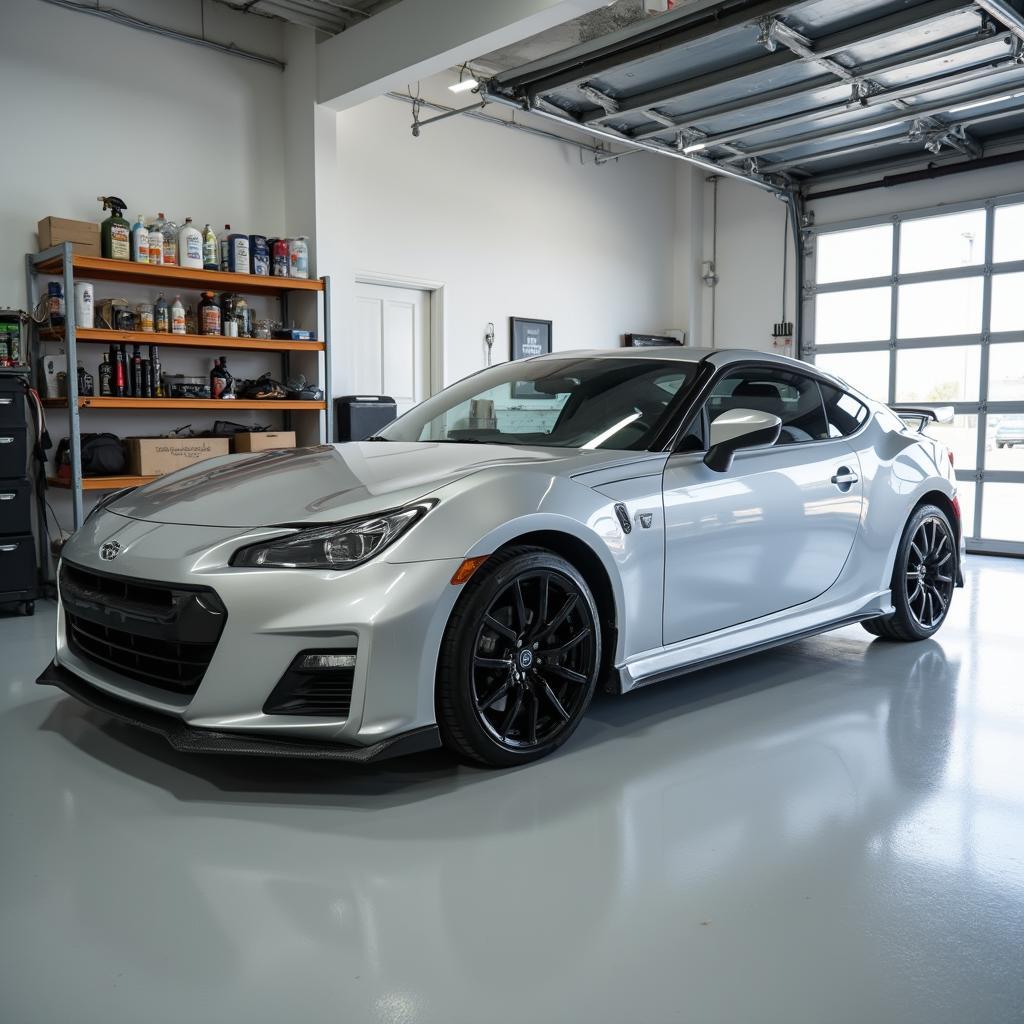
(772, 532)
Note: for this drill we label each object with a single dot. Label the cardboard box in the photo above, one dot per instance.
(83, 234)
(154, 456)
(264, 440)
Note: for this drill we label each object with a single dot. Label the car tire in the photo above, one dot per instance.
(923, 578)
(520, 659)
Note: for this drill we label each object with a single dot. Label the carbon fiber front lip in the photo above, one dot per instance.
(189, 739)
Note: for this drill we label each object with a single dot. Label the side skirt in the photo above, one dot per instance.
(756, 648)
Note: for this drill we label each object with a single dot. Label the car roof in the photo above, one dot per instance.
(717, 357)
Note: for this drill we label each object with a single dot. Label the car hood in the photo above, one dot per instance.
(330, 482)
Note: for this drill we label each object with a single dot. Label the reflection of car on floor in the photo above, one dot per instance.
(471, 574)
(1010, 431)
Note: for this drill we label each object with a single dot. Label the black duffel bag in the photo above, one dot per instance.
(102, 455)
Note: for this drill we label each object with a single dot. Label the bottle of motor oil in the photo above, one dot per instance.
(155, 370)
(177, 316)
(85, 382)
(223, 244)
(190, 246)
(120, 378)
(147, 379)
(209, 314)
(221, 381)
(115, 231)
(211, 250)
(140, 241)
(106, 375)
(125, 364)
(161, 315)
(170, 232)
(137, 391)
(238, 253)
(156, 241)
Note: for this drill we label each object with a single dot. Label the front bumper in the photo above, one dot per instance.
(188, 739)
(392, 614)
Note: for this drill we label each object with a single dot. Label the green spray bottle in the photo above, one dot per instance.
(115, 231)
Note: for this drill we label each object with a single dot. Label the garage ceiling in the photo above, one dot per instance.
(328, 16)
(788, 93)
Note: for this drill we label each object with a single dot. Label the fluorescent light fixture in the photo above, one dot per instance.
(464, 85)
(694, 147)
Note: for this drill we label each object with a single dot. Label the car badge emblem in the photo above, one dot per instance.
(110, 550)
(646, 519)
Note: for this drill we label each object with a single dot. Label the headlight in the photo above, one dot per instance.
(108, 500)
(338, 546)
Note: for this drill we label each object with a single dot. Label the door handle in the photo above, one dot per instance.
(7, 548)
(845, 478)
(6, 440)
(8, 496)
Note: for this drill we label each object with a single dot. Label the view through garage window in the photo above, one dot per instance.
(928, 307)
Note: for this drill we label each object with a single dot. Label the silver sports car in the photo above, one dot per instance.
(470, 575)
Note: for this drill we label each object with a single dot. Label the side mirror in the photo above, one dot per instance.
(738, 429)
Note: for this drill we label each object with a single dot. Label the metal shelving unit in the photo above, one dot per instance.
(60, 261)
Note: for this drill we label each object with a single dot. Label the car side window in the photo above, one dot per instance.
(845, 414)
(795, 399)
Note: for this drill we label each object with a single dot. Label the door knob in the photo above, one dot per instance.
(844, 478)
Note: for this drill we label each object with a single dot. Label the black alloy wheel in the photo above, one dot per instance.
(923, 578)
(928, 577)
(520, 659)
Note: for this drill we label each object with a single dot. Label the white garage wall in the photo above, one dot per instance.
(751, 234)
(91, 108)
(512, 225)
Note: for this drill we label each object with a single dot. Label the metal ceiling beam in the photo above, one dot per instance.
(849, 104)
(924, 54)
(827, 46)
(913, 113)
(666, 36)
(1004, 13)
(611, 135)
(963, 124)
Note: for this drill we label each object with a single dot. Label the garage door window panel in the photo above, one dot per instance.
(868, 372)
(1007, 302)
(862, 314)
(1009, 234)
(940, 243)
(935, 309)
(951, 373)
(855, 254)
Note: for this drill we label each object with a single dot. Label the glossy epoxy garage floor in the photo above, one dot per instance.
(830, 832)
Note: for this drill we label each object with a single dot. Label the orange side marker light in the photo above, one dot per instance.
(466, 570)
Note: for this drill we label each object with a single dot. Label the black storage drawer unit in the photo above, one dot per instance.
(17, 564)
(12, 402)
(13, 462)
(15, 506)
(18, 578)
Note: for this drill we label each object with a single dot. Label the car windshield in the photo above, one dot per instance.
(605, 402)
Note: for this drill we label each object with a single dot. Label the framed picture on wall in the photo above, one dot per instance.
(528, 338)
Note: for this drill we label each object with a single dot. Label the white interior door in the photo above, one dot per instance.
(392, 343)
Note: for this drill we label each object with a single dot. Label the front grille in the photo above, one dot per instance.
(160, 634)
(323, 693)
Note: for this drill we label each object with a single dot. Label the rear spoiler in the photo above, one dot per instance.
(924, 414)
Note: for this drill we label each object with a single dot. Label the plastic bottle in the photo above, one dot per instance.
(190, 246)
(106, 375)
(115, 231)
(223, 245)
(155, 368)
(259, 255)
(177, 316)
(140, 241)
(170, 233)
(298, 257)
(161, 316)
(156, 241)
(209, 315)
(238, 253)
(137, 389)
(211, 250)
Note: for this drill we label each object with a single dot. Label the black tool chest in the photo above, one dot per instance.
(18, 573)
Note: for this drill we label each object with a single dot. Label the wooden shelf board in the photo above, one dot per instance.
(148, 404)
(99, 335)
(206, 280)
(102, 483)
